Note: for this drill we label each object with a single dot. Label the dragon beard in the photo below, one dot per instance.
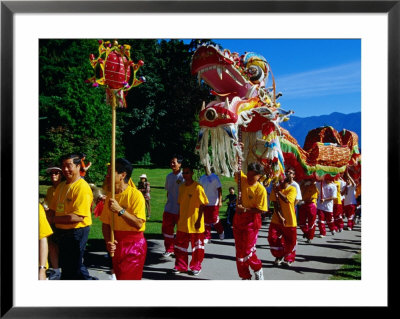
(225, 149)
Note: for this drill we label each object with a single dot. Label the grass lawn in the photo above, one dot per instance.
(349, 271)
(156, 177)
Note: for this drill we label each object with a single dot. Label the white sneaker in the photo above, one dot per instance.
(113, 277)
(206, 241)
(166, 254)
(278, 261)
(259, 274)
(321, 236)
(222, 236)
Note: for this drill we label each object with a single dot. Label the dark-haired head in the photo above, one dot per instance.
(76, 158)
(179, 158)
(122, 165)
(256, 168)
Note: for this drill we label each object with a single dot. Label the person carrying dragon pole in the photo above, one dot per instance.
(282, 233)
(247, 220)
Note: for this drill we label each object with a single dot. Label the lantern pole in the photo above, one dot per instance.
(113, 129)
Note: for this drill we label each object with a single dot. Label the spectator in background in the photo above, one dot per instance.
(231, 198)
(213, 188)
(144, 187)
(55, 174)
(171, 210)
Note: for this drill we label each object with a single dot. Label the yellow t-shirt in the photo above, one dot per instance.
(73, 198)
(105, 186)
(338, 199)
(190, 198)
(254, 196)
(309, 192)
(287, 209)
(49, 195)
(44, 226)
(132, 200)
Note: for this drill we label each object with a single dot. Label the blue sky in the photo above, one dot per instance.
(316, 76)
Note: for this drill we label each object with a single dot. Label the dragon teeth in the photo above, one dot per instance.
(199, 78)
(219, 71)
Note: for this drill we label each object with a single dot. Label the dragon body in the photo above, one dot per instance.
(242, 124)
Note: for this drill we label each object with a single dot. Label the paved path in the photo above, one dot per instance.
(315, 261)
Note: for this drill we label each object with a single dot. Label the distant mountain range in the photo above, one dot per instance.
(300, 126)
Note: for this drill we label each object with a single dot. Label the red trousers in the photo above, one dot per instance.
(338, 215)
(245, 232)
(307, 217)
(181, 250)
(327, 217)
(282, 241)
(168, 224)
(349, 211)
(211, 217)
(130, 255)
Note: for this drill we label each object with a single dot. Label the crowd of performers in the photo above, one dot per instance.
(192, 209)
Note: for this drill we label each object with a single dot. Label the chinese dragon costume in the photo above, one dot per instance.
(242, 124)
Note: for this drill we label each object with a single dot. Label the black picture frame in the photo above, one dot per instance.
(9, 8)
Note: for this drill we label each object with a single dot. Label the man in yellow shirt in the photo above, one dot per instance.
(247, 221)
(190, 226)
(71, 214)
(308, 210)
(128, 211)
(44, 232)
(282, 233)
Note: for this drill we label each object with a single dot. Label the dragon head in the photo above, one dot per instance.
(238, 82)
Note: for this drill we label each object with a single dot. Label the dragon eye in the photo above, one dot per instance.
(210, 114)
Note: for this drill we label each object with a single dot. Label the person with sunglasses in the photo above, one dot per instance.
(55, 174)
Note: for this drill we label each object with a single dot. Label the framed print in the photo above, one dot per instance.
(24, 23)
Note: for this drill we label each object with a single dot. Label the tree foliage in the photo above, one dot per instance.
(161, 114)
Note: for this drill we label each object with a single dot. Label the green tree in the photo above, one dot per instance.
(161, 117)
(73, 115)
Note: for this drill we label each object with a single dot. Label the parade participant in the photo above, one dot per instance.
(56, 176)
(282, 233)
(290, 173)
(192, 200)
(128, 206)
(338, 206)
(231, 198)
(44, 232)
(247, 221)
(350, 201)
(327, 194)
(144, 187)
(70, 212)
(213, 188)
(84, 166)
(171, 209)
(308, 210)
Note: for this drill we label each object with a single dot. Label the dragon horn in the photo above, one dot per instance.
(203, 106)
(227, 103)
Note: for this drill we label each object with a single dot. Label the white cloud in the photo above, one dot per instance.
(345, 78)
